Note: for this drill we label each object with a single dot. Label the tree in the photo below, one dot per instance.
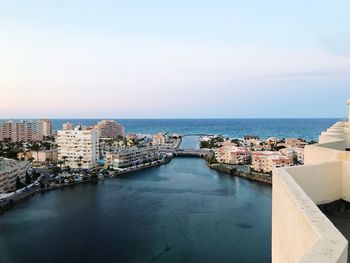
(28, 178)
(60, 162)
(18, 183)
(36, 147)
(79, 162)
(64, 159)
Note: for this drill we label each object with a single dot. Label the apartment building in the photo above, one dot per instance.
(232, 155)
(132, 156)
(45, 155)
(266, 161)
(78, 148)
(9, 171)
(110, 129)
(295, 142)
(159, 139)
(46, 127)
(67, 126)
(251, 140)
(295, 152)
(21, 130)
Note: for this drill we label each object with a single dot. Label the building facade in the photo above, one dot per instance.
(232, 155)
(21, 130)
(78, 148)
(110, 129)
(132, 156)
(46, 127)
(67, 126)
(266, 161)
(9, 171)
(159, 139)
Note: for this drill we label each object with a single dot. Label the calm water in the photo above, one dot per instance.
(306, 128)
(179, 212)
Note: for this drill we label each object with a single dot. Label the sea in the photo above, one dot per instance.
(308, 129)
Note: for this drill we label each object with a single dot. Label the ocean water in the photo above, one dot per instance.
(308, 129)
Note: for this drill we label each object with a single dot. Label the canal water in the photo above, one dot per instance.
(179, 212)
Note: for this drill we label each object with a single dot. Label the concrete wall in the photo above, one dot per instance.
(292, 236)
(300, 232)
(322, 183)
(346, 181)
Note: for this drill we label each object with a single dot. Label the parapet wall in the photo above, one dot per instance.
(300, 232)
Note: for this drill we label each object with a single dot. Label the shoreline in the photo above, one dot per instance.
(20, 197)
(251, 176)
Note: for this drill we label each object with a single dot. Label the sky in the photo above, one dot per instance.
(174, 59)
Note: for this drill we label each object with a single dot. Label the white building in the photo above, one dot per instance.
(132, 156)
(78, 148)
(159, 139)
(9, 171)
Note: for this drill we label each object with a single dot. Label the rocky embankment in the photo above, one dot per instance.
(230, 169)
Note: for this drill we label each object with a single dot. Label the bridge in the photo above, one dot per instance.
(196, 134)
(190, 152)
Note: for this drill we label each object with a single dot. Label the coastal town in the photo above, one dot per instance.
(34, 157)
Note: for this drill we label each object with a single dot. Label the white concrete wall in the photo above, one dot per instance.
(292, 235)
(300, 232)
(346, 181)
(322, 183)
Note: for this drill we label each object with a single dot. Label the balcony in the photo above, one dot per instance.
(300, 231)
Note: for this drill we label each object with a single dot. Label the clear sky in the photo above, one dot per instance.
(156, 58)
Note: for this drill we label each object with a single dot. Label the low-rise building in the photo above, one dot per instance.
(9, 171)
(266, 161)
(67, 126)
(45, 156)
(251, 140)
(159, 139)
(132, 156)
(295, 142)
(232, 155)
(295, 152)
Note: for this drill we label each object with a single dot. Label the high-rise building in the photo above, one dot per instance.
(78, 148)
(110, 129)
(46, 127)
(21, 130)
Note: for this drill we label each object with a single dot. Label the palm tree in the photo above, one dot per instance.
(79, 163)
(60, 162)
(36, 147)
(64, 159)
